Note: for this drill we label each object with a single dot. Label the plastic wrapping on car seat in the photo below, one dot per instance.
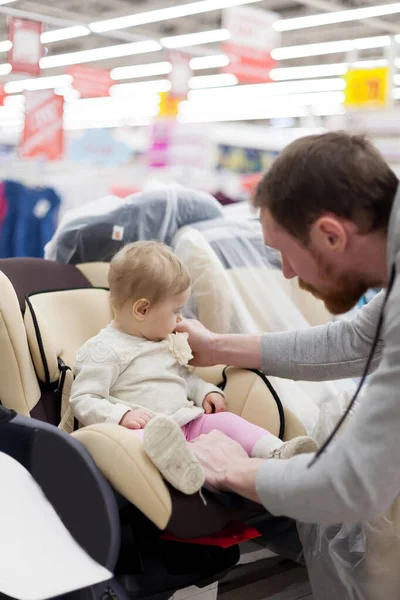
(96, 231)
(238, 287)
(353, 561)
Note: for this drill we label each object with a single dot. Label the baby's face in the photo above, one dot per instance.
(164, 316)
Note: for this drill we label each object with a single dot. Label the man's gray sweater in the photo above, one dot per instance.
(358, 477)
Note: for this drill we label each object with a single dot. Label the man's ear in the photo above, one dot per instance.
(329, 233)
(140, 309)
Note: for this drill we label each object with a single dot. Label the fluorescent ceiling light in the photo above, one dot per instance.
(41, 83)
(15, 101)
(6, 2)
(130, 89)
(5, 46)
(396, 93)
(209, 62)
(165, 14)
(290, 73)
(320, 106)
(109, 104)
(194, 39)
(310, 71)
(67, 33)
(5, 69)
(152, 69)
(249, 93)
(130, 113)
(108, 123)
(212, 81)
(396, 80)
(340, 16)
(330, 47)
(85, 56)
(259, 104)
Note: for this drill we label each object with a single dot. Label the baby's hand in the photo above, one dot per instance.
(214, 400)
(136, 419)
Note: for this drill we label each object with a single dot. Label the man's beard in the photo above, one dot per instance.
(343, 293)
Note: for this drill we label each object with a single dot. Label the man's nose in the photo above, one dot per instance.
(287, 270)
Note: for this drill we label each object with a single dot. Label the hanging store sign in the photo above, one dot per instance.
(252, 38)
(169, 105)
(367, 88)
(180, 74)
(43, 135)
(3, 94)
(27, 49)
(91, 82)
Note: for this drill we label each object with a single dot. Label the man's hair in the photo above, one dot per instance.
(146, 270)
(334, 173)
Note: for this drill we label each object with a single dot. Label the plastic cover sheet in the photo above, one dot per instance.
(352, 561)
(96, 231)
(238, 287)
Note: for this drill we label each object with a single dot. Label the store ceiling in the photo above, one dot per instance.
(88, 11)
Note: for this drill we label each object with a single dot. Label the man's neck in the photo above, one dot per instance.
(370, 258)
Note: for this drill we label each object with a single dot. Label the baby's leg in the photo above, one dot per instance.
(165, 444)
(257, 442)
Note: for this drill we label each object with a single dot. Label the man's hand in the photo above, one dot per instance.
(201, 341)
(216, 401)
(226, 464)
(136, 419)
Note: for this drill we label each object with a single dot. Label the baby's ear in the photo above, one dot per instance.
(140, 309)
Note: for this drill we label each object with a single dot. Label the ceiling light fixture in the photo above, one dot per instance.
(340, 16)
(165, 14)
(196, 39)
(5, 46)
(209, 62)
(264, 90)
(149, 70)
(289, 73)
(67, 33)
(213, 81)
(5, 69)
(330, 47)
(130, 89)
(85, 56)
(111, 123)
(41, 83)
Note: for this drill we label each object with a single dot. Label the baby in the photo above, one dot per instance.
(135, 372)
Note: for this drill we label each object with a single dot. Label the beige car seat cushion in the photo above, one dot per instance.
(248, 397)
(120, 457)
(19, 388)
(96, 273)
(65, 320)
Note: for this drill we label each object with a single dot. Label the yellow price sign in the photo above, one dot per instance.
(169, 104)
(367, 88)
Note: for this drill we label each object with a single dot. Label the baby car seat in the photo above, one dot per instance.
(47, 310)
(74, 487)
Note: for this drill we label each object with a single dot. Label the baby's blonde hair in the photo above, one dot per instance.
(146, 270)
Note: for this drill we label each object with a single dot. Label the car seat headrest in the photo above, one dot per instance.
(59, 323)
(31, 275)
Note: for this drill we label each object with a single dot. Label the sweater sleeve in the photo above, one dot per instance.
(334, 351)
(358, 478)
(197, 388)
(91, 400)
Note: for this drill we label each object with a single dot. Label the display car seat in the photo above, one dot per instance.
(47, 311)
